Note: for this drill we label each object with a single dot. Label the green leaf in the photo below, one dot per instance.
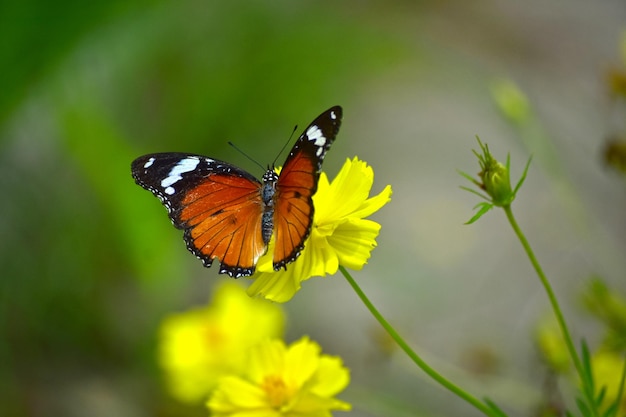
(467, 176)
(497, 410)
(475, 192)
(587, 377)
(611, 410)
(582, 406)
(473, 181)
(484, 208)
(601, 395)
(523, 177)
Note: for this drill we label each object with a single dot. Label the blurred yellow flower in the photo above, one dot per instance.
(198, 346)
(551, 345)
(281, 381)
(340, 234)
(607, 369)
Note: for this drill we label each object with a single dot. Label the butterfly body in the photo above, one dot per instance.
(228, 214)
(268, 192)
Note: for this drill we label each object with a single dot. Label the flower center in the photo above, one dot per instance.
(214, 336)
(277, 391)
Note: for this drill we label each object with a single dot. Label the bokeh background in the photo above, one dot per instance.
(89, 263)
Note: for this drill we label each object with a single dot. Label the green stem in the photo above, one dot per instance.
(411, 353)
(553, 301)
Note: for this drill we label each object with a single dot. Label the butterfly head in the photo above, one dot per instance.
(270, 175)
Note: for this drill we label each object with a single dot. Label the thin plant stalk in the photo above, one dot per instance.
(412, 354)
(553, 300)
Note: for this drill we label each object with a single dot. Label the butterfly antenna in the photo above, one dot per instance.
(246, 155)
(285, 145)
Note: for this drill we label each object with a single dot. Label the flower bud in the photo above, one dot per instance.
(495, 178)
(496, 182)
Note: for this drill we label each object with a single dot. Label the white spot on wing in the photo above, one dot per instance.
(175, 175)
(315, 135)
(333, 115)
(149, 163)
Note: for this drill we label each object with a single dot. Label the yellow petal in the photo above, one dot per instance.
(346, 193)
(373, 204)
(294, 381)
(311, 405)
(234, 394)
(353, 242)
(267, 358)
(198, 346)
(321, 258)
(332, 377)
(275, 286)
(301, 361)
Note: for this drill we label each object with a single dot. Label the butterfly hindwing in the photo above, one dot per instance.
(217, 204)
(223, 218)
(297, 183)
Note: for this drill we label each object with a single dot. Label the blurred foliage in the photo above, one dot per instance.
(89, 262)
(605, 361)
(614, 152)
(608, 306)
(551, 346)
(38, 35)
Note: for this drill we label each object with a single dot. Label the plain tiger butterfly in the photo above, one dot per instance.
(228, 214)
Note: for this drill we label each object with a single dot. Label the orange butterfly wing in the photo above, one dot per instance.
(222, 218)
(296, 185)
(293, 212)
(217, 204)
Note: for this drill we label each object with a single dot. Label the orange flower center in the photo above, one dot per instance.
(214, 336)
(276, 390)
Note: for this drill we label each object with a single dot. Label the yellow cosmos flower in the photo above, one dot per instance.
(340, 234)
(607, 369)
(281, 381)
(551, 345)
(199, 346)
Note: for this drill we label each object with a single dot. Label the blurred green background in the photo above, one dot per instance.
(89, 263)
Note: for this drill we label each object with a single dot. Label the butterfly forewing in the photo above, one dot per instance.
(217, 204)
(293, 215)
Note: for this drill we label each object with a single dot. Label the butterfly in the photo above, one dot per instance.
(228, 214)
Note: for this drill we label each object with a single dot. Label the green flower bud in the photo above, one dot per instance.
(496, 181)
(495, 178)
